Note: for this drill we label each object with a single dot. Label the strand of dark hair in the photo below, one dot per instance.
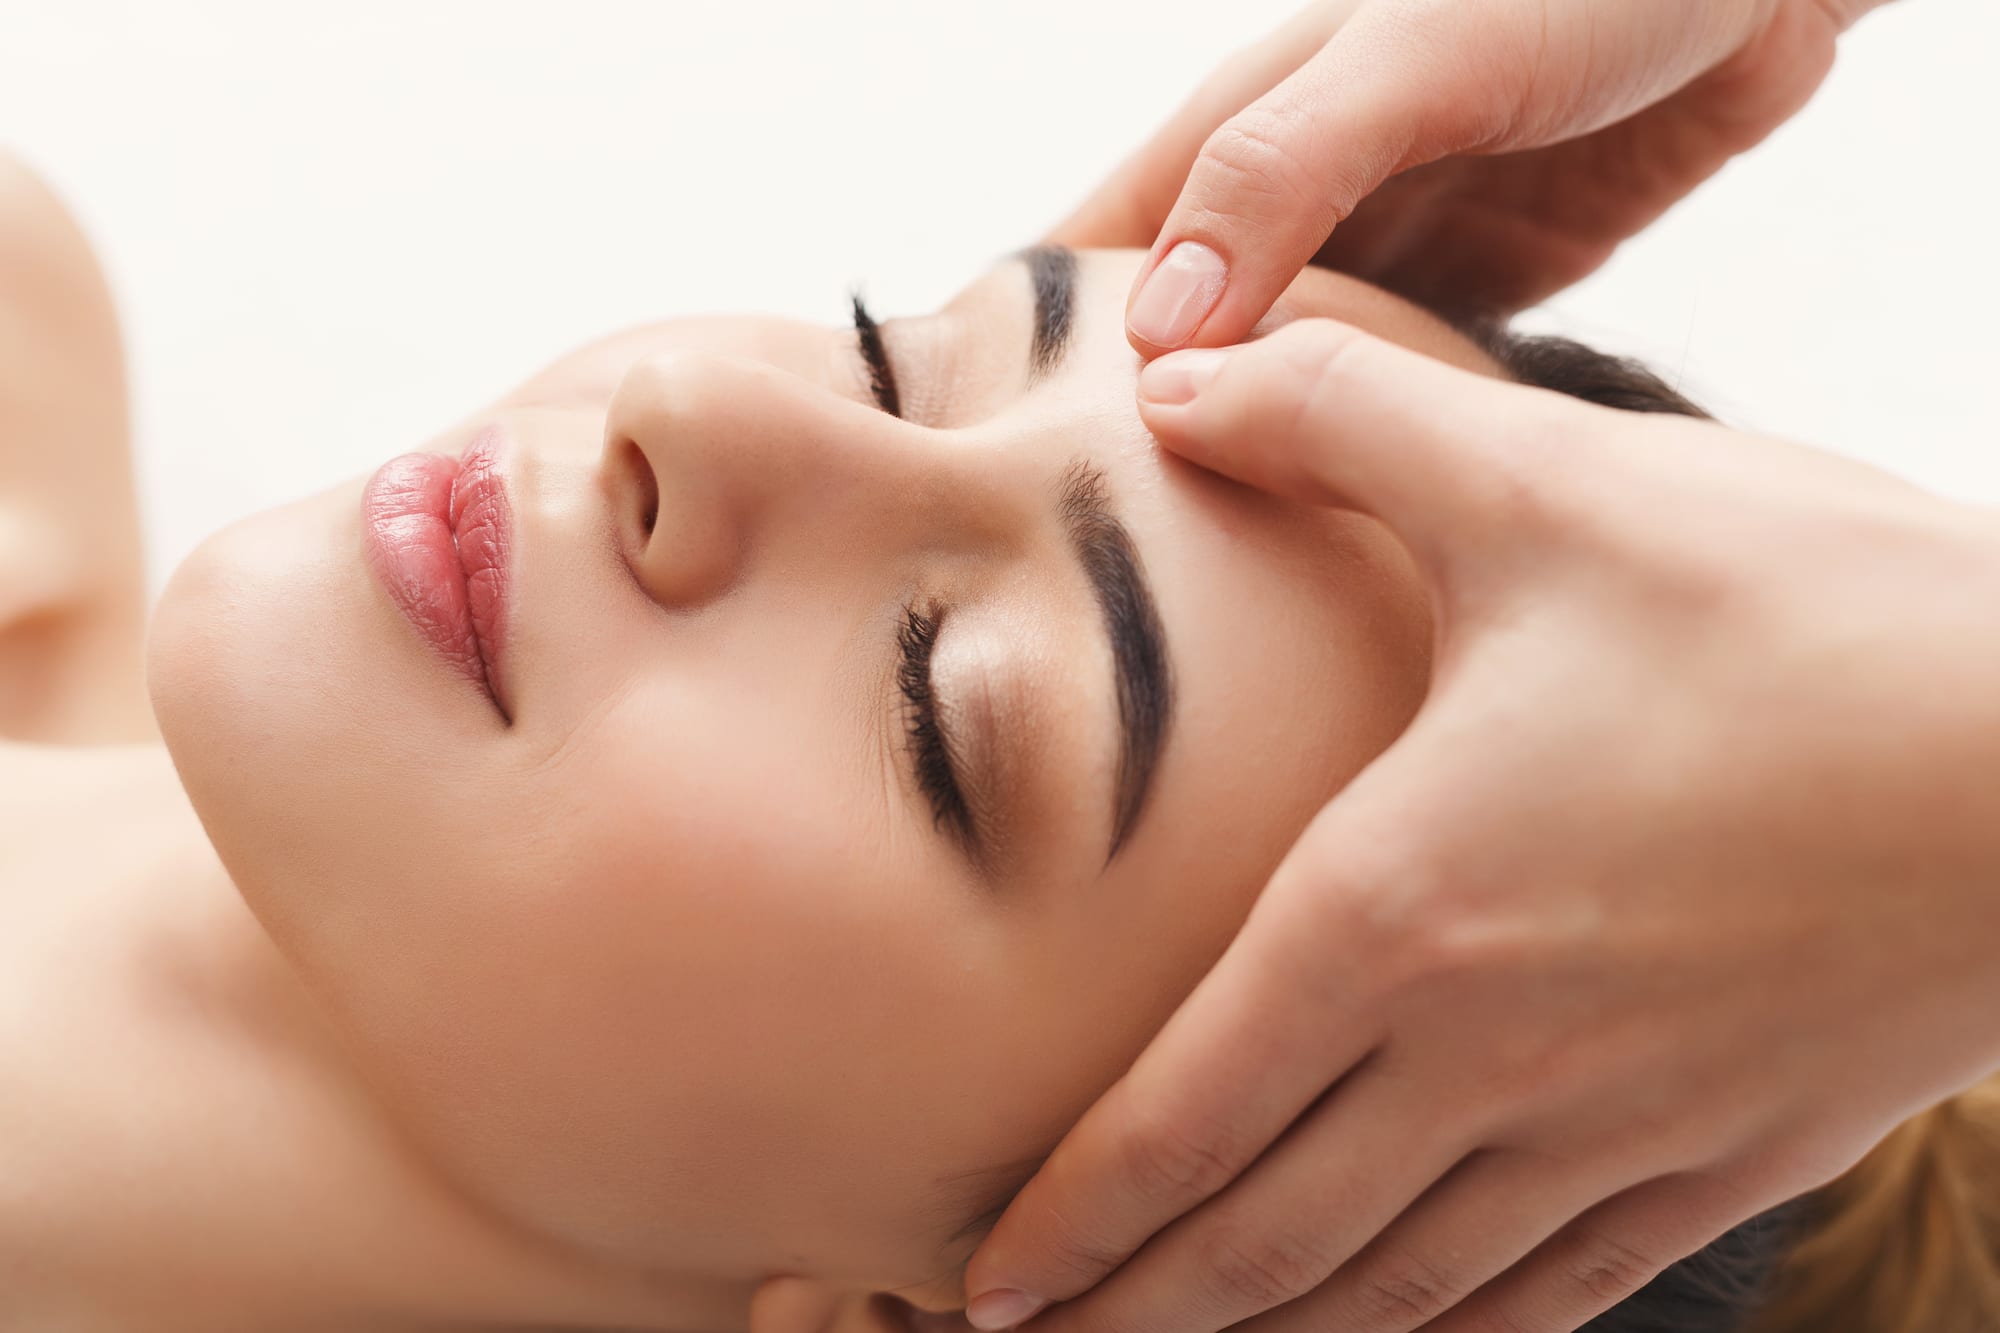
(1570, 367)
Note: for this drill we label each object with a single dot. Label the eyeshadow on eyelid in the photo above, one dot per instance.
(964, 694)
(1031, 739)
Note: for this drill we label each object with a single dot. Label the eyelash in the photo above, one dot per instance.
(916, 636)
(915, 640)
(881, 377)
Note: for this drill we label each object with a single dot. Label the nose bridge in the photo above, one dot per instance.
(741, 457)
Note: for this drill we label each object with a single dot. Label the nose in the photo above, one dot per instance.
(712, 463)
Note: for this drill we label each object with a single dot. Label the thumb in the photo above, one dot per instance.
(1456, 462)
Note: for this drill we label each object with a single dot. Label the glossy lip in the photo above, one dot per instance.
(438, 534)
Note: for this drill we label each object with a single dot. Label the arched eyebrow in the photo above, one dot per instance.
(1052, 270)
(1141, 677)
(1104, 549)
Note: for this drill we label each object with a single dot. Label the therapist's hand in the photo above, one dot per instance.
(1679, 892)
(1553, 130)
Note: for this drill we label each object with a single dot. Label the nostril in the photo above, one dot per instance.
(646, 486)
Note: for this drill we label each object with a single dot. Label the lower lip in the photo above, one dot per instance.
(438, 533)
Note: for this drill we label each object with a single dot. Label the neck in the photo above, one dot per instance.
(219, 1161)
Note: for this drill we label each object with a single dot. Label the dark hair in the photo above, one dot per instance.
(1570, 367)
(1717, 1289)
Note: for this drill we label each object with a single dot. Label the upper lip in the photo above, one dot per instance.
(438, 534)
(482, 529)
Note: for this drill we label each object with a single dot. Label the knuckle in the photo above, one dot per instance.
(1382, 896)
(1406, 1292)
(1610, 1270)
(1311, 343)
(1077, 1255)
(1300, 377)
(1364, 893)
(1399, 1302)
(1251, 1272)
(1171, 1161)
(1250, 158)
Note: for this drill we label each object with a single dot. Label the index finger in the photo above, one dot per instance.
(1387, 91)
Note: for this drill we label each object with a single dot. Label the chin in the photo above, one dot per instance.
(284, 683)
(336, 764)
(245, 661)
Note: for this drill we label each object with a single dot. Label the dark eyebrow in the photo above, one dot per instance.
(1140, 672)
(1052, 270)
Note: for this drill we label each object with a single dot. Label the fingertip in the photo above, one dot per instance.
(1002, 1308)
(1175, 297)
(988, 1269)
(1254, 427)
(1169, 389)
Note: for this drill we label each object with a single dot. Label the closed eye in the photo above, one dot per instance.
(929, 747)
(881, 375)
(916, 637)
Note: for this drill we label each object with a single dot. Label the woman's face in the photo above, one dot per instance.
(703, 960)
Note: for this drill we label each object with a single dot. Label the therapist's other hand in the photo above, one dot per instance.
(1552, 130)
(1679, 892)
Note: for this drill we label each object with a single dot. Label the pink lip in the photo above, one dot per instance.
(438, 533)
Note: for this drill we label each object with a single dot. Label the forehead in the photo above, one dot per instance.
(989, 325)
(1105, 276)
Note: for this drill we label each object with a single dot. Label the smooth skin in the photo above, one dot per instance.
(1678, 894)
(670, 1005)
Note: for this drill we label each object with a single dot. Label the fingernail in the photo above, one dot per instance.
(1002, 1308)
(1177, 377)
(1178, 295)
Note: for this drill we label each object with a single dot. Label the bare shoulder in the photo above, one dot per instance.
(45, 260)
(72, 612)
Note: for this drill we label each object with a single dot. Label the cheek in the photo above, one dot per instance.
(616, 1012)
(677, 990)
(687, 985)
(748, 985)
(277, 674)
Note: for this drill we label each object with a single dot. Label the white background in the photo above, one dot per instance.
(334, 229)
